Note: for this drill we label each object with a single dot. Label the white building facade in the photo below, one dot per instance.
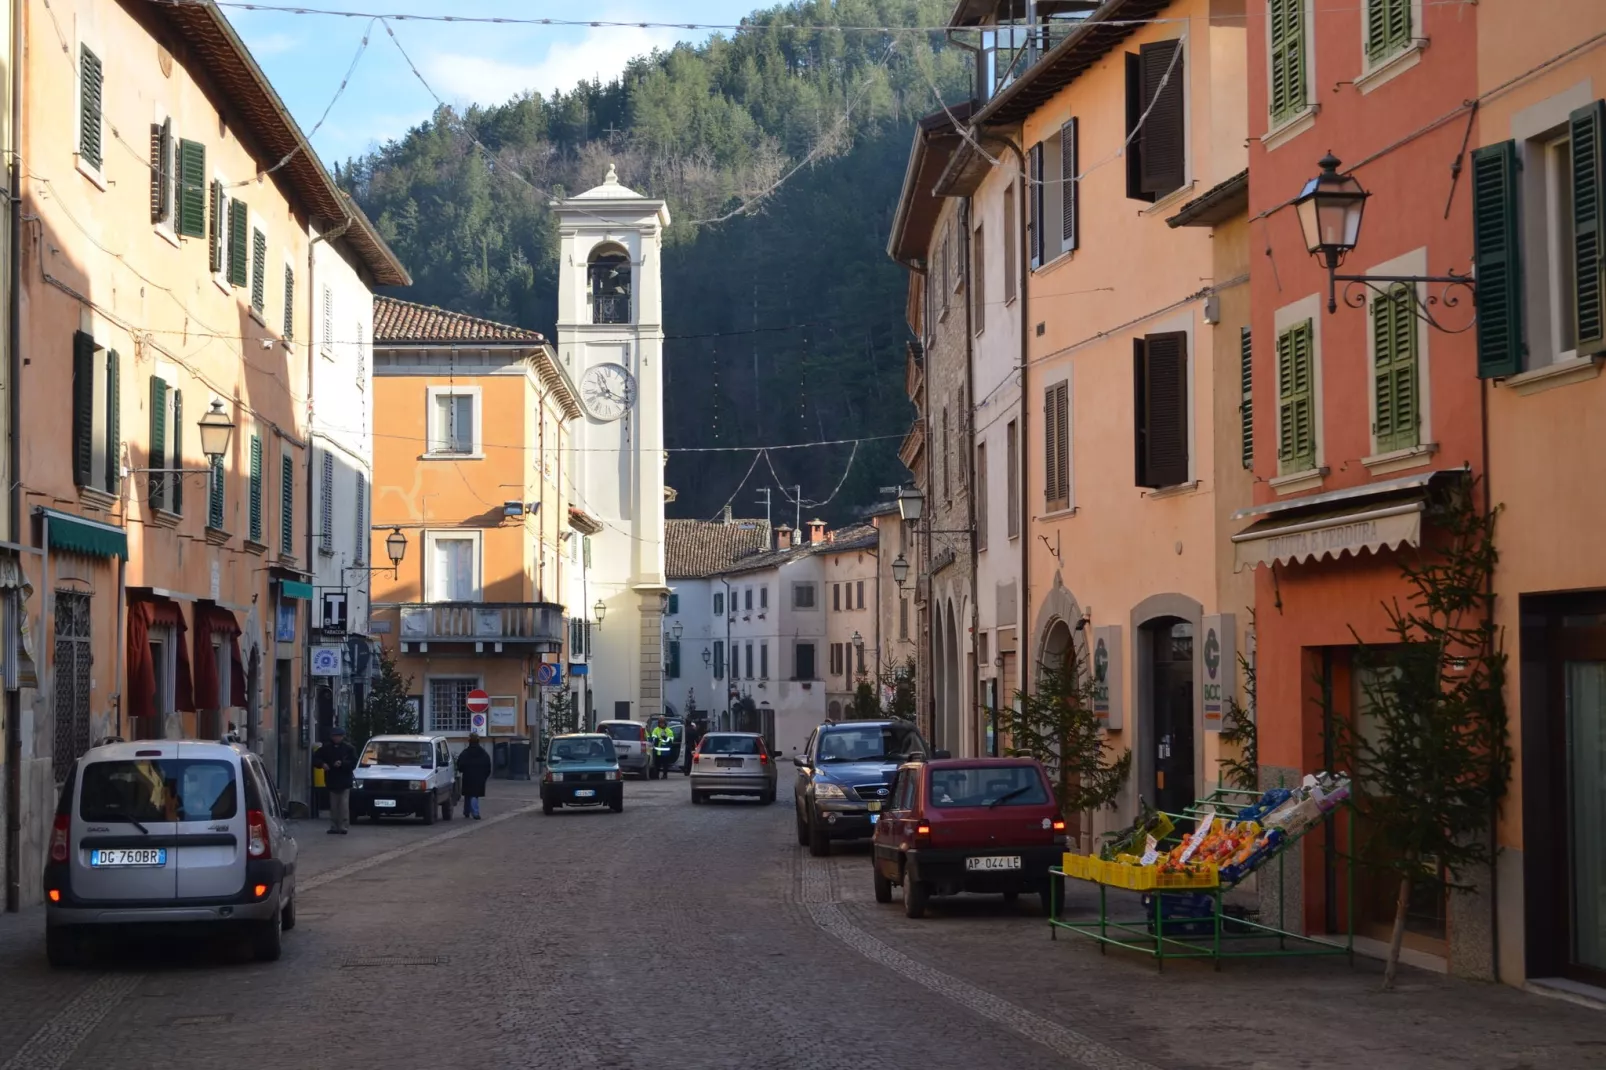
(610, 342)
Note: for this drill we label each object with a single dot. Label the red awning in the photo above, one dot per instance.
(212, 621)
(143, 615)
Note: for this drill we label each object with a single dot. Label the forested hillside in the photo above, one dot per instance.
(785, 320)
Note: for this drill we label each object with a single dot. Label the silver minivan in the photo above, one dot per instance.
(168, 832)
(629, 744)
(732, 763)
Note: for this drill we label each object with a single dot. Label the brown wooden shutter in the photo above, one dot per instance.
(1134, 146)
(1163, 135)
(1071, 189)
(83, 408)
(1161, 374)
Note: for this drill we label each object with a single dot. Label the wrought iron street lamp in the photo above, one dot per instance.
(911, 502)
(395, 547)
(216, 427)
(1330, 210)
(600, 611)
(708, 656)
(677, 631)
(900, 570)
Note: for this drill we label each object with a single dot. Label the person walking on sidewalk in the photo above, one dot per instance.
(337, 759)
(474, 767)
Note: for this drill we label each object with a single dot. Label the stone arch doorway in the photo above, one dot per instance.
(1058, 646)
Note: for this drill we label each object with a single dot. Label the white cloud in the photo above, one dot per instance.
(601, 53)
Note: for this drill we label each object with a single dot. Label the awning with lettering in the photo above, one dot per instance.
(1329, 534)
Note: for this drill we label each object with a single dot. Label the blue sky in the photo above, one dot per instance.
(307, 55)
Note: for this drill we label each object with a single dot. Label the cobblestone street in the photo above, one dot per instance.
(671, 936)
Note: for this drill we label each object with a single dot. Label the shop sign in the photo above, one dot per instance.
(1220, 657)
(285, 625)
(1107, 696)
(326, 661)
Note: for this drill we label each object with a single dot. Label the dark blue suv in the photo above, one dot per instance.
(842, 769)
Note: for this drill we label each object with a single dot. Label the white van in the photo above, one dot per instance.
(411, 776)
(176, 832)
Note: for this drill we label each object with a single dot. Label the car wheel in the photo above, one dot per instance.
(429, 810)
(915, 895)
(546, 807)
(802, 829)
(267, 940)
(883, 887)
(698, 798)
(819, 842)
(617, 804)
(287, 916)
(63, 948)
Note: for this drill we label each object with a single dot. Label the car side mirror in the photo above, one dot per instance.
(941, 754)
(799, 761)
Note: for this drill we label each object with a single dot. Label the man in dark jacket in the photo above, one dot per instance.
(474, 767)
(337, 759)
(690, 736)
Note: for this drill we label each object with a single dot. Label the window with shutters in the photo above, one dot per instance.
(1389, 27)
(190, 206)
(802, 595)
(163, 488)
(91, 86)
(1160, 395)
(359, 544)
(162, 174)
(1396, 420)
(326, 325)
(454, 421)
(836, 598)
(259, 271)
(1057, 447)
(674, 604)
(239, 243)
(803, 662)
(947, 488)
(981, 496)
(1156, 120)
(1246, 403)
(1012, 478)
(903, 617)
(749, 659)
(1053, 195)
(1011, 257)
(326, 504)
(1289, 46)
(254, 526)
(672, 662)
(978, 279)
(763, 661)
(289, 303)
(287, 504)
(836, 659)
(97, 454)
(719, 659)
(719, 604)
(1296, 398)
(217, 231)
(214, 497)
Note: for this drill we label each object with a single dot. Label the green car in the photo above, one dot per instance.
(581, 770)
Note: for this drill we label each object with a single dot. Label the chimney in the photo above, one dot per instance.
(783, 537)
(727, 519)
(816, 530)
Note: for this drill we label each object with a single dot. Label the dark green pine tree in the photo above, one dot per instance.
(387, 711)
(1057, 725)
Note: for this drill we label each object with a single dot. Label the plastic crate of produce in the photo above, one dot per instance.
(1198, 875)
(1126, 875)
(1081, 866)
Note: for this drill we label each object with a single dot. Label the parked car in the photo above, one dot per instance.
(405, 776)
(582, 769)
(968, 825)
(841, 770)
(630, 744)
(168, 832)
(732, 763)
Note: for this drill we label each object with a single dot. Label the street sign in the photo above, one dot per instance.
(548, 675)
(334, 612)
(478, 701)
(476, 724)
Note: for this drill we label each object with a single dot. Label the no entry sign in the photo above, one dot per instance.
(478, 701)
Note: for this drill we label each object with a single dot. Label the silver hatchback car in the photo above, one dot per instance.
(168, 832)
(732, 763)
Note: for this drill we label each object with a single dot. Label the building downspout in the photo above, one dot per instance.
(931, 586)
(1494, 814)
(13, 699)
(973, 681)
(1024, 270)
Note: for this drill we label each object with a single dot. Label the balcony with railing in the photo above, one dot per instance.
(492, 627)
(1014, 35)
(610, 308)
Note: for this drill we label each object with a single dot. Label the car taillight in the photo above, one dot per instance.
(922, 833)
(256, 824)
(58, 837)
(763, 758)
(1059, 824)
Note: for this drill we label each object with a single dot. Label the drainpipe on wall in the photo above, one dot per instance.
(1024, 270)
(973, 682)
(931, 585)
(13, 699)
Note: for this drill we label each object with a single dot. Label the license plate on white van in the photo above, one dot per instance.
(385, 804)
(129, 856)
(994, 862)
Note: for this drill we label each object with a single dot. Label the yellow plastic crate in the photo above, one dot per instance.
(1084, 867)
(1205, 875)
(1126, 875)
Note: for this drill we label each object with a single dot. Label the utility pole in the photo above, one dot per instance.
(797, 500)
(765, 491)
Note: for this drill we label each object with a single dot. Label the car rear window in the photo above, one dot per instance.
(159, 789)
(730, 745)
(592, 749)
(871, 743)
(992, 785)
(419, 753)
(629, 732)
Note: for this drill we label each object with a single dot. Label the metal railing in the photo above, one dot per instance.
(610, 308)
(499, 622)
(1009, 51)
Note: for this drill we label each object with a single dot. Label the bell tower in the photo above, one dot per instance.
(610, 340)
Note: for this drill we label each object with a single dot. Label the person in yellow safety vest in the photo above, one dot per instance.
(662, 741)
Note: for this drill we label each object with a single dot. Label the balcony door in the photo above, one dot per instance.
(453, 567)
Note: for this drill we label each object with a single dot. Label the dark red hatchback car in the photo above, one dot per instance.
(968, 825)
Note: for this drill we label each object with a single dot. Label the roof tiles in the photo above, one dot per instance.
(404, 322)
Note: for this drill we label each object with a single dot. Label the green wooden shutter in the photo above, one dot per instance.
(161, 171)
(289, 302)
(91, 77)
(191, 220)
(178, 451)
(114, 422)
(214, 505)
(287, 505)
(1394, 368)
(1497, 260)
(83, 408)
(1287, 25)
(156, 456)
(674, 659)
(1296, 399)
(239, 220)
(1589, 223)
(1246, 406)
(674, 604)
(1388, 28)
(215, 235)
(259, 270)
(256, 489)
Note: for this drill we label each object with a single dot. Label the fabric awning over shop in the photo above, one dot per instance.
(213, 620)
(295, 589)
(1329, 534)
(143, 616)
(76, 535)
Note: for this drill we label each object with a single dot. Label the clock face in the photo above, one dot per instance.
(608, 391)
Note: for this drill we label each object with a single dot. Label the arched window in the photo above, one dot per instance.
(609, 271)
